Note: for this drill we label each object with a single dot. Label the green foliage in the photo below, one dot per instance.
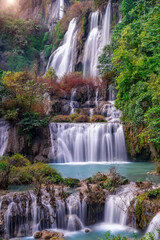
(45, 172)
(18, 170)
(17, 160)
(108, 236)
(72, 182)
(135, 53)
(59, 34)
(22, 42)
(31, 122)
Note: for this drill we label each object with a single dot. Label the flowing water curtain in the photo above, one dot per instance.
(62, 59)
(90, 58)
(4, 135)
(98, 38)
(24, 215)
(154, 226)
(87, 142)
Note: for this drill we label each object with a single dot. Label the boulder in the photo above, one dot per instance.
(37, 235)
(51, 235)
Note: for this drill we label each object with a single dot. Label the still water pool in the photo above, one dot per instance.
(132, 170)
(98, 231)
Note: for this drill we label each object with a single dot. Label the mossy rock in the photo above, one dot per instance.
(72, 182)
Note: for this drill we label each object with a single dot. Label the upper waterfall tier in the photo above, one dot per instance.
(90, 58)
(87, 142)
(4, 132)
(62, 59)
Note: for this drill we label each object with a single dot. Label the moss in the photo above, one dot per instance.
(81, 118)
(98, 118)
(61, 118)
(72, 182)
(17, 160)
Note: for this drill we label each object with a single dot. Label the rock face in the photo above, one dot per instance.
(38, 150)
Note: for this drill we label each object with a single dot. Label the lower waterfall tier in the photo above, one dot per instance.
(87, 142)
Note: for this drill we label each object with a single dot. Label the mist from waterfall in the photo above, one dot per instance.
(4, 134)
(62, 59)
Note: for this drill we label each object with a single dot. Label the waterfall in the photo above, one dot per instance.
(116, 207)
(4, 134)
(87, 142)
(55, 13)
(74, 209)
(24, 216)
(73, 98)
(62, 59)
(96, 41)
(154, 225)
(90, 58)
(106, 26)
(61, 8)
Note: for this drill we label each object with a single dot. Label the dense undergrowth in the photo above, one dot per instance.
(21, 42)
(18, 170)
(133, 57)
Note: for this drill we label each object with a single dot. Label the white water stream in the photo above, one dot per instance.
(62, 59)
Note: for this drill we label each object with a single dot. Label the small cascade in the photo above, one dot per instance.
(62, 59)
(24, 216)
(4, 134)
(87, 142)
(74, 210)
(61, 8)
(91, 111)
(96, 99)
(154, 225)
(106, 26)
(116, 207)
(73, 99)
(90, 58)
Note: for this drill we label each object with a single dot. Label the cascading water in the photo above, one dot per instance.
(90, 58)
(116, 207)
(74, 209)
(4, 133)
(24, 216)
(96, 41)
(87, 142)
(154, 225)
(73, 99)
(61, 8)
(62, 59)
(56, 12)
(106, 26)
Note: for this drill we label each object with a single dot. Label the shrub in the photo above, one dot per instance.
(61, 118)
(75, 80)
(81, 118)
(20, 175)
(72, 182)
(44, 172)
(73, 116)
(98, 118)
(17, 160)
